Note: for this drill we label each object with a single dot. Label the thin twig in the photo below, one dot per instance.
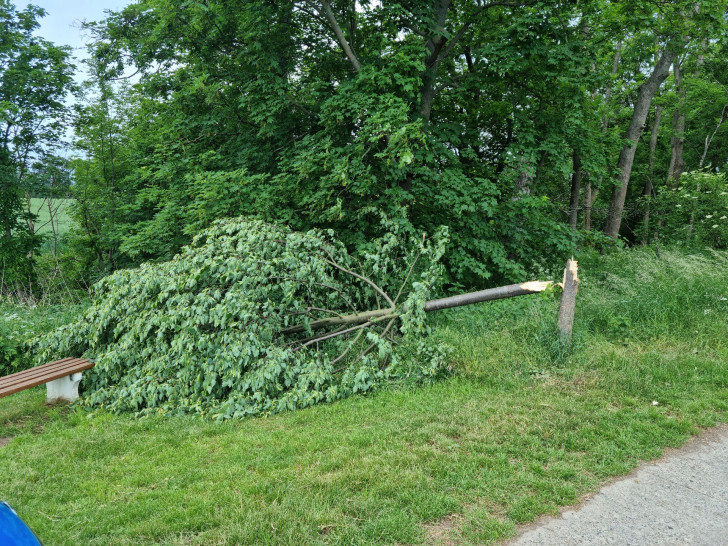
(332, 335)
(369, 349)
(409, 273)
(360, 277)
(323, 285)
(348, 348)
(314, 338)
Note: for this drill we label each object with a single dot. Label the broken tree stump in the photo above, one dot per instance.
(568, 301)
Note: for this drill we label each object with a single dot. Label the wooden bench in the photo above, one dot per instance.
(61, 378)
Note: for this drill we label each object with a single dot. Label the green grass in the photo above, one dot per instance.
(57, 217)
(522, 428)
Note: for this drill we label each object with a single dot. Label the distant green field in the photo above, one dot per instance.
(57, 215)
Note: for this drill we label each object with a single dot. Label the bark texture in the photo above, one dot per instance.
(649, 185)
(568, 301)
(645, 94)
(677, 141)
(575, 188)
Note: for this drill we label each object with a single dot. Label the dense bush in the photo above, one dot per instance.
(202, 333)
(9, 345)
(22, 321)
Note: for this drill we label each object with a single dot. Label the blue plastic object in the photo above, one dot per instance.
(13, 532)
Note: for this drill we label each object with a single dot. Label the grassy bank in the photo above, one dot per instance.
(522, 428)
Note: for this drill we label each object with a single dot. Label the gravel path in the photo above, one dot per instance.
(680, 499)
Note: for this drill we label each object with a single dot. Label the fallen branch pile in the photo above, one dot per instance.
(252, 318)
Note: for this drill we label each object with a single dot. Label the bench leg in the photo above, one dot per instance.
(65, 388)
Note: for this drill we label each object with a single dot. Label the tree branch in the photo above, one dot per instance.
(709, 139)
(329, 13)
(451, 82)
(348, 348)
(381, 292)
(459, 34)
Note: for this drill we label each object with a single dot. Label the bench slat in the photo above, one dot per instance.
(33, 377)
(68, 365)
(40, 371)
(6, 390)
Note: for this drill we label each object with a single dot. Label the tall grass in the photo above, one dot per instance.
(628, 297)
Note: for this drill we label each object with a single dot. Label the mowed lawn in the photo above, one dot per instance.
(522, 427)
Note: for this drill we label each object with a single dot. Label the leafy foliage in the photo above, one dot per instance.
(16, 240)
(696, 212)
(35, 76)
(206, 331)
(258, 111)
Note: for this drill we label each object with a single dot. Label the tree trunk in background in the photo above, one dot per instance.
(575, 187)
(649, 187)
(645, 94)
(588, 202)
(590, 196)
(709, 138)
(522, 184)
(435, 45)
(528, 173)
(677, 141)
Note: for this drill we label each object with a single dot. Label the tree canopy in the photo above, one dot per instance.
(35, 76)
(519, 125)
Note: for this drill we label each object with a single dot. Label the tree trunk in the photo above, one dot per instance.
(677, 141)
(568, 301)
(590, 196)
(645, 94)
(588, 201)
(435, 46)
(428, 91)
(528, 173)
(647, 193)
(709, 138)
(490, 294)
(575, 188)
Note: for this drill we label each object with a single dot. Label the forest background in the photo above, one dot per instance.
(531, 129)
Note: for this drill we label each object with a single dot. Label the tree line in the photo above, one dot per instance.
(529, 128)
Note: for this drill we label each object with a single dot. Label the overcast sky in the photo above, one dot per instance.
(62, 23)
(62, 26)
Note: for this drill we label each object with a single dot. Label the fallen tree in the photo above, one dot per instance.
(501, 292)
(252, 318)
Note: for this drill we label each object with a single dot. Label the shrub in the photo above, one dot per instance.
(696, 212)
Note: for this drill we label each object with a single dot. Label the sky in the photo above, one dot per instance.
(62, 23)
(62, 26)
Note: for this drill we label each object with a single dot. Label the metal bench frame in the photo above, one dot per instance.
(61, 378)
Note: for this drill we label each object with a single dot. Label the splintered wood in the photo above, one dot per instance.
(568, 301)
